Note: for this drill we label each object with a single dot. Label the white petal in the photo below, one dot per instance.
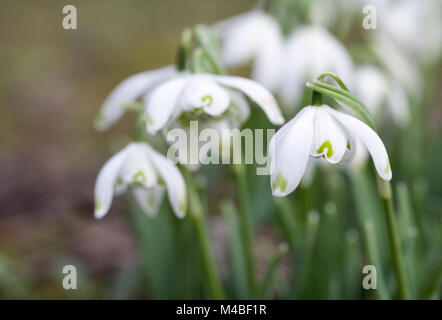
(127, 92)
(259, 94)
(138, 170)
(357, 156)
(398, 104)
(371, 87)
(176, 188)
(244, 36)
(150, 199)
(162, 102)
(202, 93)
(370, 139)
(290, 151)
(105, 183)
(330, 139)
(311, 51)
(240, 108)
(398, 64)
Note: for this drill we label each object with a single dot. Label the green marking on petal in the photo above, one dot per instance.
(183, 205)
(119, 180)
(149, 120)
(388, 168)
(280, 182)
(207, 100)
(139, 177)
(100, 117)
(327, 144)
(348, 145)
(98, 204)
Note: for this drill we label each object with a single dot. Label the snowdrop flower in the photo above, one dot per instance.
(254, 35)
(405, 21)
(376, 89)
(204, 94)
(320, 132)
(398, 64)
(129, 91)
(142, 170)
(310, 51)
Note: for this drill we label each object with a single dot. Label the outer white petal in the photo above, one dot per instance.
(330, 139)
(105, 183)
(176, 188)
(290, 151)
(239, 39)
(201, 92)
(149, 199)
(128, 91)
(162, 103)
(370, 139)
(259, 94)
(245, 36)
(240, 108)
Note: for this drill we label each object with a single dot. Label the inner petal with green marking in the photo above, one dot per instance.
(139, 178)
(207, 100)
(326, 145)
(280, 183)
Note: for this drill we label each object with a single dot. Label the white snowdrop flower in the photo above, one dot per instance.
(405, 21)
(254, 35)
(143, 171)
(128, 91)
(311, 51)
(320, 132)
(377, 89)
(398, 64)
(209, 94)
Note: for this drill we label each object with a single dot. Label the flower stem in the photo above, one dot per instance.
(197, 217)
(239, 171)
(385, 193)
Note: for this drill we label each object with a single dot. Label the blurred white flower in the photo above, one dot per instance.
(254, 35)
(377, 89)
(397, 63)
(129, 91)
(212, 95)
(143, 171)
(320, 132)
(311, 51)
(415, 26)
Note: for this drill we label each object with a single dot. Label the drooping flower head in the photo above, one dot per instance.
(140, 169)
(205, 94)
(320, 132)
(254, 35)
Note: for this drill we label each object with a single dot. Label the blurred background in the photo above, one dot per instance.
(52, 83)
